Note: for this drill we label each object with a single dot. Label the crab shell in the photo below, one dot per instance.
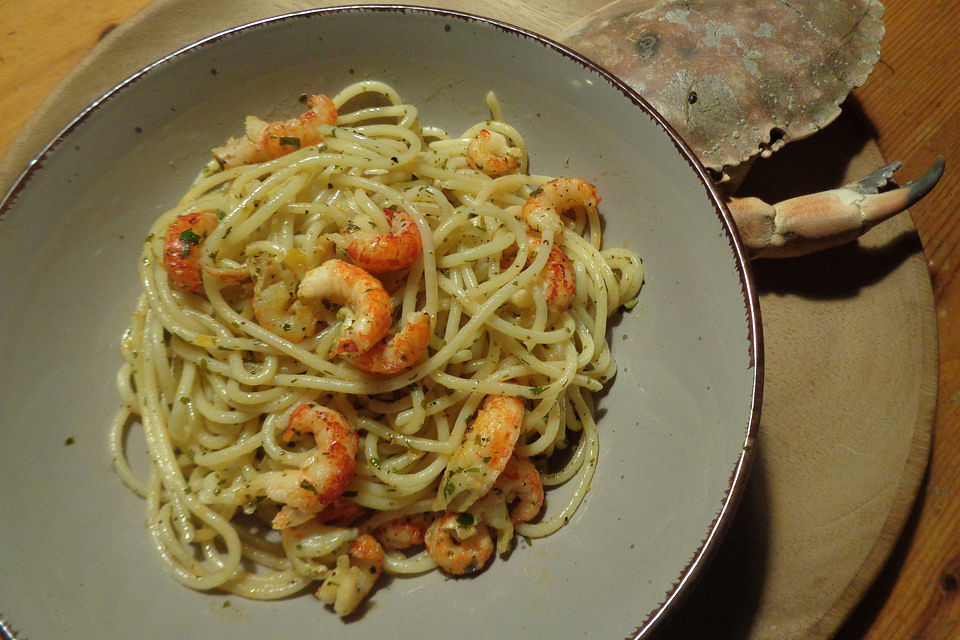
(737, 78)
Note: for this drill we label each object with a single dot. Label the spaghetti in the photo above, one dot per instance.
(430, 313)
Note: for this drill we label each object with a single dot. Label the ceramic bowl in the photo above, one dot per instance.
(675, 425)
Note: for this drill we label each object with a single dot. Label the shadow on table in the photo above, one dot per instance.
(836, 273)
(722, 602)
(818, 162)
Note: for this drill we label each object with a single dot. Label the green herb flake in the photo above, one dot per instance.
(537, 390)
(290, 141)
(190, 237)
(69, 441)
(465, 519)
(536, 192)
(184, 399)
(448, 489)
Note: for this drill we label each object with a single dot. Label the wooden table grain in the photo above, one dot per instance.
(911, 101)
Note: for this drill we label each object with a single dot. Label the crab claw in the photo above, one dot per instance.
(810, 223)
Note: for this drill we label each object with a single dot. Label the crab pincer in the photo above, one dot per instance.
(818, 221)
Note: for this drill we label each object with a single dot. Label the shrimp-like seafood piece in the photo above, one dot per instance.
(343, 512)
(305, 492)
(520, 486)
(269, 140)
(393, 355)
(490, 153)
(354, 576)
(459, 544)
(275, 304)
(369, 303)
(182, 246)
(389, 251)
(557, 281)
(403, 532)
(483, 453)
(543, 208)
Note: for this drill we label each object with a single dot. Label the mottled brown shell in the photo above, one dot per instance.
(737, 78)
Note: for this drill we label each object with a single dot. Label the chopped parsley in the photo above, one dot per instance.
(190, 237)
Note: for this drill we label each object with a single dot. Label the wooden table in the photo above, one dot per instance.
(911, 100)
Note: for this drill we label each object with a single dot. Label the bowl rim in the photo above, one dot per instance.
(739, 476)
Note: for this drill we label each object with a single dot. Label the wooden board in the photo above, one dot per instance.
(850, 342)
